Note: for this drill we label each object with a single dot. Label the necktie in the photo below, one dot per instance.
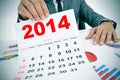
(59, 5)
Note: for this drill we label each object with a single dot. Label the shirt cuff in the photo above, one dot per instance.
(20, 19)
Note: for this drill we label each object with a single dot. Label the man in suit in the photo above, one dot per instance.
(103, 28)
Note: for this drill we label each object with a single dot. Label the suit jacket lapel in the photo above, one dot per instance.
(51, 6)
(67, 6)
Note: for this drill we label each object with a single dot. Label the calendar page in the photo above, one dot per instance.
(51, 49)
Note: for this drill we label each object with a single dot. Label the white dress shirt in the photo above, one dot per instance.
(56, 5)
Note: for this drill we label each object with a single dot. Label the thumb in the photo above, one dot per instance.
(91, 33)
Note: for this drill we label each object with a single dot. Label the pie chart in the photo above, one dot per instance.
(91, 57)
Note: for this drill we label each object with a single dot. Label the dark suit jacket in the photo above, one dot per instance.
(83, 12)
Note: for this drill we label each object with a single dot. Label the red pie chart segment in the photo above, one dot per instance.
(91, 57)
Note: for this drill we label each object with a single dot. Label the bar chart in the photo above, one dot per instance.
(107, 73)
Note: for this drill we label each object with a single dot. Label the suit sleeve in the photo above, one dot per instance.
(92, 18)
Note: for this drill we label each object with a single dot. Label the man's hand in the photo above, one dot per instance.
(104, 33)
(33, 9)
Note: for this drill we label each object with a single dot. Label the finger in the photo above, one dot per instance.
(41, 13)
(109, 36)
(91, 33)
(115, 37)
(103, 37)
(97, 36)
(29, 6)
(38, 8)
(45, 9)
(24, 12)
